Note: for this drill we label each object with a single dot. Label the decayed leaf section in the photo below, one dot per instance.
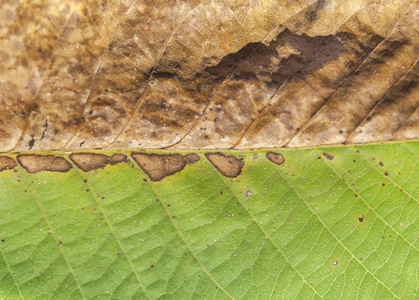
(207, 74)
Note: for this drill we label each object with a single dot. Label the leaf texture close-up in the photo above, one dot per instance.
(217, 149)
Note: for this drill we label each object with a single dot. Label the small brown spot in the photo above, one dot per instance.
(151, 266)
(192, 158)
(159, 166)
(381, 163)
(361, 219)
(276, 158)
(7, 163)
(328, 156)
(228, 165)
(117, 158)
(386, 173)
(34, 163)
(93, 161)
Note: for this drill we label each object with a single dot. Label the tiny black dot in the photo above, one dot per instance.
(2, 240)
(360, 219)
(151, 266)
(386, 173)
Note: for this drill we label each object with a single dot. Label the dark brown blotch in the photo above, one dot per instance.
(276, 158)
(159, 166)
(34, 163)
(93, 161)
(228, 165)
(328, 156)
(7, 163)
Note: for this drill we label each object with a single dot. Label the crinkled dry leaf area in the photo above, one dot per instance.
(206, 74)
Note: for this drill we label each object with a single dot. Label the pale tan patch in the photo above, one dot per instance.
(276, 158)
(34, 163)
(228, 165)
(159, 166)
(7, 163)
(93, 161)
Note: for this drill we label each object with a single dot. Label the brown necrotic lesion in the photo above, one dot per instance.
(276, 158)
(159, 166)
(34, 163)
(228, 165)
(93, 161)
(7, 163)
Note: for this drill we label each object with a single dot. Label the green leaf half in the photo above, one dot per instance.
(334, 222)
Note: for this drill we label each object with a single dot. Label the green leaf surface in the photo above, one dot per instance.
(328, 223)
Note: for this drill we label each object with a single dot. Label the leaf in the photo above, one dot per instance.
(332, 222)
(280, 223)
(206, 74)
